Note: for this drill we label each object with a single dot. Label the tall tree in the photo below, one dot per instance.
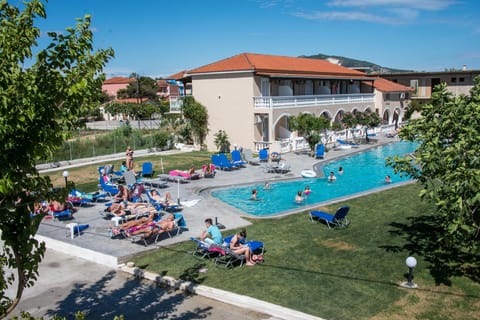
(447, 164)
(309, 126)
(197, 117)
(38, 106)
(368, 120)
(142, 87)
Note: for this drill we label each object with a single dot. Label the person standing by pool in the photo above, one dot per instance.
(212, 235)
(129, 159)
(331, 177)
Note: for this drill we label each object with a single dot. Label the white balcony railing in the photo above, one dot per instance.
(311, 101)
(176, 104)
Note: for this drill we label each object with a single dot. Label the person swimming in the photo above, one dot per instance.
(299, 198)
(307, 191)
(254, 195)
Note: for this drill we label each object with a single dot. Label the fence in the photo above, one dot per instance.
(110, 143)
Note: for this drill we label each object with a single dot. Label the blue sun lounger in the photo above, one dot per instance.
(339, 219)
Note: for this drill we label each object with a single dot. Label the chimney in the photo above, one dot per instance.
(464, 67)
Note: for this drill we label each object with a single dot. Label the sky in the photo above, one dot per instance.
(158, 38)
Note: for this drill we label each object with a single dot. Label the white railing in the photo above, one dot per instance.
(259, 145)
(176, 104)
(311, 101)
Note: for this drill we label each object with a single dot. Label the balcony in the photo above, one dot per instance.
(280, 102)
(176, 104)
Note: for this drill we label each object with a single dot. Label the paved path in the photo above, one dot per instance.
(68, 284)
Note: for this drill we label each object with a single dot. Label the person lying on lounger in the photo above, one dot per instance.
(146, 231)
(155, 195)
(134, 225)
(144, 220)
(124, 208)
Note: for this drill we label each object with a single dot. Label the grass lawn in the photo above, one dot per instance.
(350, 273)
(86, 177)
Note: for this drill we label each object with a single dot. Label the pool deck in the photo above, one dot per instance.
(95, 244)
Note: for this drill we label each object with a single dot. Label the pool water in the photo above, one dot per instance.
(362, 172)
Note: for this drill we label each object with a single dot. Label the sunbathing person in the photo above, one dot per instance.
(134, 225)
(125, 207)
(155, 195)
(57, 206)
(147, 230)
(122, 195)
(237, 247)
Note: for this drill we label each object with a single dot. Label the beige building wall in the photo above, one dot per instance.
(229, 102)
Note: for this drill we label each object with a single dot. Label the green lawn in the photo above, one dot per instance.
(350, 273)
(86, 177)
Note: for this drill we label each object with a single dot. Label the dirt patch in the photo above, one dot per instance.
(437, 302)
(338, 245)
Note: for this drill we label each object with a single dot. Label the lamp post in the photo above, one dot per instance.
(411, 263)
(65, 175)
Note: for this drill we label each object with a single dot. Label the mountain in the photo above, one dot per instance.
(364, 66)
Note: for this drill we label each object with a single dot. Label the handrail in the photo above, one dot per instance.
(276, 102)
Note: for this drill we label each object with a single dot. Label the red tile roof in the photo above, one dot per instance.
(118, 80)
(177, 76)
(270, 63)
(385, 85)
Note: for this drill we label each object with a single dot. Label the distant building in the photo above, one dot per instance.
(113, 85)
(422, 83)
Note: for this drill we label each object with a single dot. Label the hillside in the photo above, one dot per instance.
(361, 65)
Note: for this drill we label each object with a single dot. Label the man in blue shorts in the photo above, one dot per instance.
(212, 235)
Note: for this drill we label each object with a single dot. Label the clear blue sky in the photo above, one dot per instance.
(162, 37)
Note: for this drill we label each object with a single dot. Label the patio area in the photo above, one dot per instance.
(95, 244)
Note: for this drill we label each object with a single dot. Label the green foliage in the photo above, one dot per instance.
(413, 106)
(309, 126)
(143, 87)
(221, 141)
(39, 106)
(162, 140)
(197, 118)
(447, 164)
(366, 119)
(143, 110)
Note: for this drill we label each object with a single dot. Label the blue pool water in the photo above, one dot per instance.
(362, 172)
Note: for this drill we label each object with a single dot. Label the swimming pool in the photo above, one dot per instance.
(362, 172)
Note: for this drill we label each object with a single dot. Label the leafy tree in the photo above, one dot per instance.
(368, 120)
(143, 87)
(309, 126)
(197, 118)
(413, 106)
(133, 110)
(39, 105)
(221, 141)
(447, 164)
(349, 121)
